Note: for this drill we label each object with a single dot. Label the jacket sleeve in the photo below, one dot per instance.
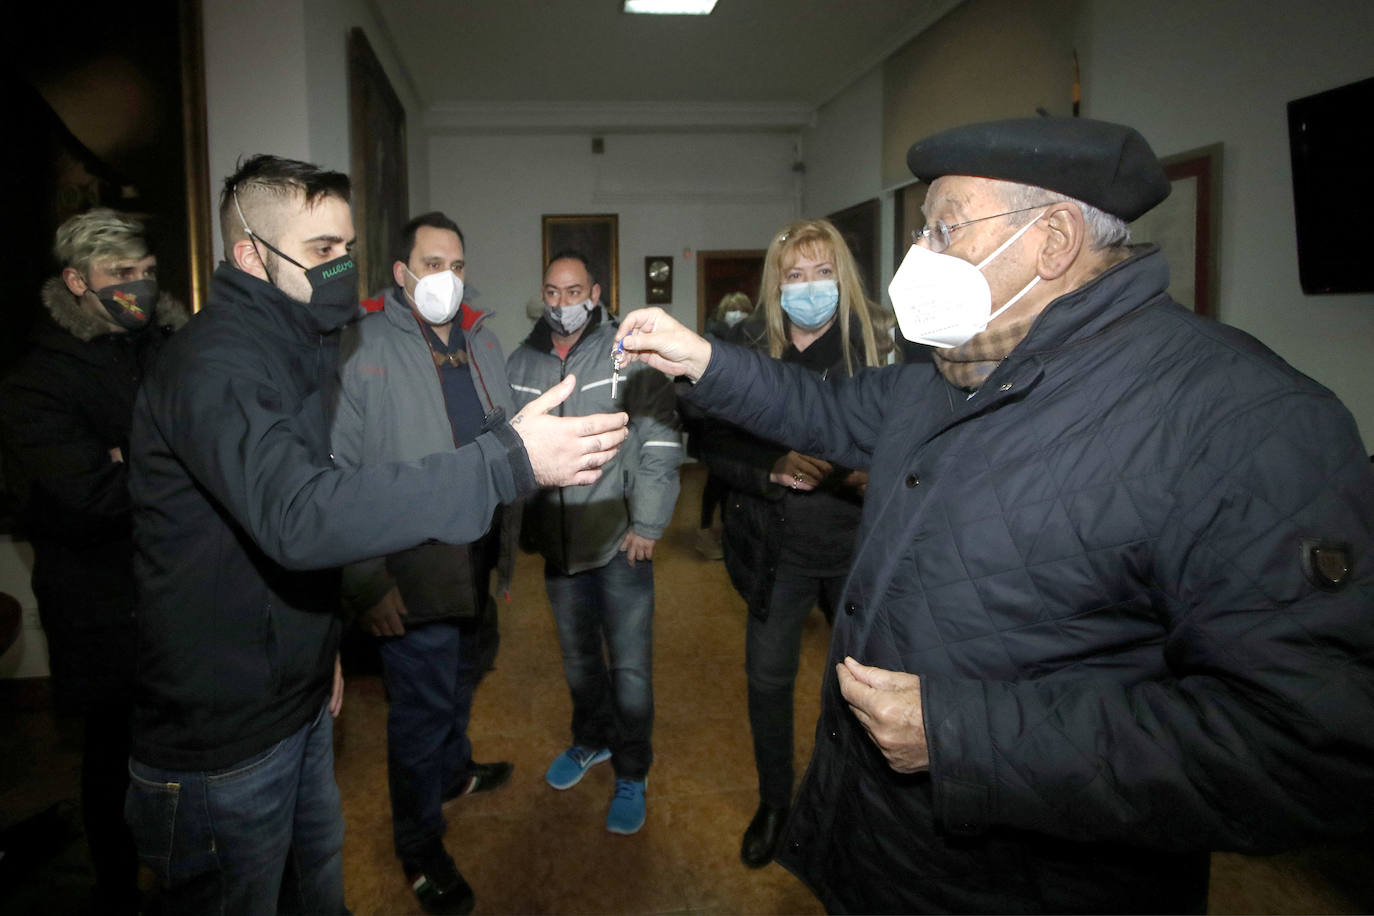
(238, 438)
(838, 420)
(654, 424)
(365, 582)
(61, 467)
(742, 460)
(1262, 735)
(522, 389)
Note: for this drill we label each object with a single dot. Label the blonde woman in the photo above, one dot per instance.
(790, 519)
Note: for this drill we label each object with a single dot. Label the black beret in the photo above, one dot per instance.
(1109, 166)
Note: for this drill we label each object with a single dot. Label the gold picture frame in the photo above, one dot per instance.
(597, 237)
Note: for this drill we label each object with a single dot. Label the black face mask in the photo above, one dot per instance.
(333, 284)
(333, 288)
(131, 304)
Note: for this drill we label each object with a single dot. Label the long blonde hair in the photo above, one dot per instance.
(820, 240)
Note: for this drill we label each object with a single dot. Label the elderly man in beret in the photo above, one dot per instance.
(1111, 603)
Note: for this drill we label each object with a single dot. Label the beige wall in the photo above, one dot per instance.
(984, 59)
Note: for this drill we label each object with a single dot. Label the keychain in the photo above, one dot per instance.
(617, 362)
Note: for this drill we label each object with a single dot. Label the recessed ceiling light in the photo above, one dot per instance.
(670, 7)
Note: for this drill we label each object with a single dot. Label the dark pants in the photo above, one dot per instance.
(712, 497)
(771, 657)
(431, 673)
(104, 784)
(612, 706)
(262, 836)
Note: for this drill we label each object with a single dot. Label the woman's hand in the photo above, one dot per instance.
(799, 472)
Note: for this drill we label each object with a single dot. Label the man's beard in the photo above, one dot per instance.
(289, 279)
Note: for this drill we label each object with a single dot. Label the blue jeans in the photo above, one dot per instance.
(772, 655)
(612, 706)
(262, 836)
(431, 672)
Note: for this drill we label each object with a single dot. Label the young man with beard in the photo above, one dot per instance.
(241, 520)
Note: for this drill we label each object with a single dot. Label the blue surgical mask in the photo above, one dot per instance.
(810, 305)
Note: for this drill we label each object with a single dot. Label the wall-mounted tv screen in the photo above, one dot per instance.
(1331, 137)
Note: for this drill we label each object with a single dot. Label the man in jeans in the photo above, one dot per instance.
(420, 376)
(598, 542)
(240, 522)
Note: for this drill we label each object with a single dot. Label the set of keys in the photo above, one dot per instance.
(617, 363)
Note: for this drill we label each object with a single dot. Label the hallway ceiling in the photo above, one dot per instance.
(798, 52)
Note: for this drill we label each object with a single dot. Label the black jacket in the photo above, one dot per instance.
(767, 525)
(62, 409)
(240, 518)
(1117, 570)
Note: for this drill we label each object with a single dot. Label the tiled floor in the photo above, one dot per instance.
(530, 849)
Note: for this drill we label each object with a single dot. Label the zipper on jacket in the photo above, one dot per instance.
(562, 506)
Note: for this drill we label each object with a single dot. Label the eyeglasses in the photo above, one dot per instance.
(936, 237)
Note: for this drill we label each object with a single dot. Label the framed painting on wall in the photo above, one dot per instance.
(377, 140)
(859, 227)
(596, 236)
(1186, 227)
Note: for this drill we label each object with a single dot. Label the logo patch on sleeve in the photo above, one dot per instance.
(1326, 564)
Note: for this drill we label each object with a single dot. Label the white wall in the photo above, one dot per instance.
(1188, 74)
(255, 87)
(274, 85)
(327, 71)
(842, 149)
(673, 193)
(28, 657)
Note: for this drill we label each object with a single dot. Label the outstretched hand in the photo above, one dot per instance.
(888, 705)
(566, 451)
(654, 337)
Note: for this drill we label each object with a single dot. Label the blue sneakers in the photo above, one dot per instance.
(569, 767)
(627, 807)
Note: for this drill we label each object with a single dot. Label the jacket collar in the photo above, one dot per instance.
(399, 313)
(541, 335)
(68, 314)
(240, 296)
(1077, 316)
(1112, 295)
(825, 353)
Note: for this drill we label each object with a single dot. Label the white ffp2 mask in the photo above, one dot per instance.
(943, 301)
(437, 296)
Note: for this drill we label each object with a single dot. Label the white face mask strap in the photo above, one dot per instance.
(240, 212)
(1013, 300)
(1005, 245)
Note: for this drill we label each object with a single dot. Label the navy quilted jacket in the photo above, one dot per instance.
(1096, 566)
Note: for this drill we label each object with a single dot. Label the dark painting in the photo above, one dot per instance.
(111, 114)
(597, 237)
(381, 192)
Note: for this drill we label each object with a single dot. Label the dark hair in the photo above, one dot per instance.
(268, 171)
(278, 176)
(405, 242)
(572, 254)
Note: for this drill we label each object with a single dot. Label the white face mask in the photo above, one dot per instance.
(734, 318)
(943, 301)
(437, 296)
